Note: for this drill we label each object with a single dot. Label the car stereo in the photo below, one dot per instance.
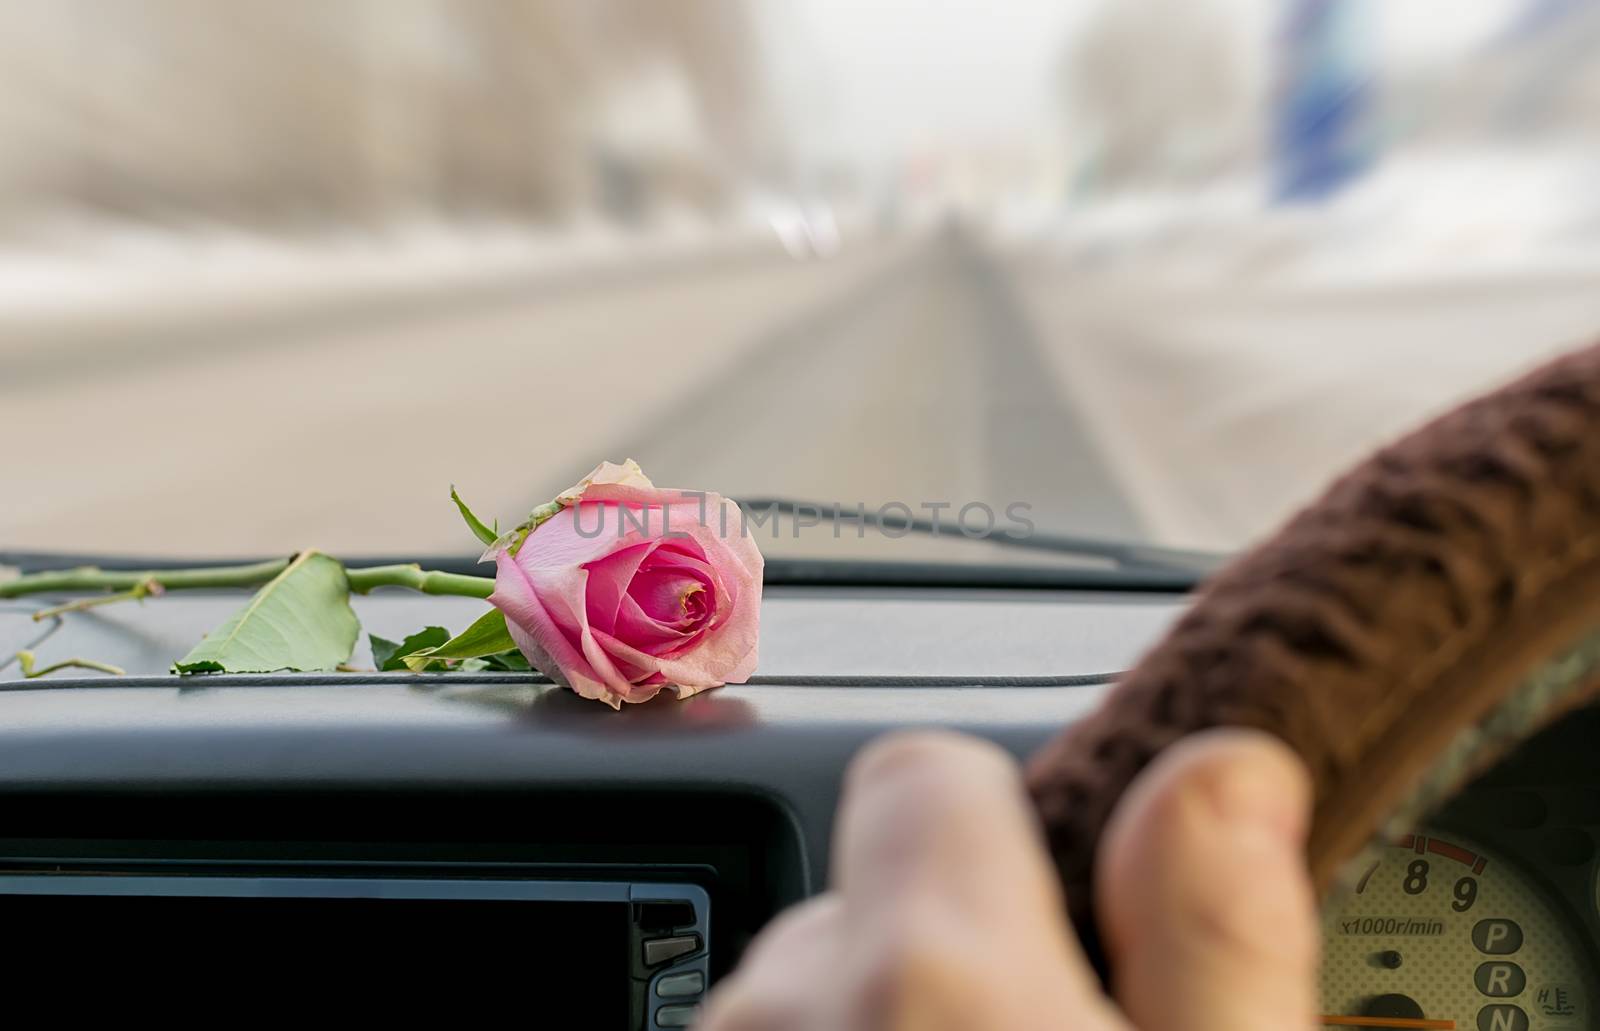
(474, 952)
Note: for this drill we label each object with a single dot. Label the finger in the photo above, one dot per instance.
(925, 809)
(1203, 893)
(776, 985)
(938, 846)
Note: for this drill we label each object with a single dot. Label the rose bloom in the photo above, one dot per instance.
(631, 588)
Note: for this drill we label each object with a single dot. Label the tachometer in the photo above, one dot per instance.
(1439, 933)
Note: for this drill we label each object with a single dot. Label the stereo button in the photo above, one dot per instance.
(675, 1016)
(676, 986)
(663, 949)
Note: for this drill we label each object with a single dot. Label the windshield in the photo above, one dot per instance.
(276, 275)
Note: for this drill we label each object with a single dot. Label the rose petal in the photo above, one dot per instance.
(562, 593)
(627, 474)
(666, 596)
(716, 660)
(649, 635)
(597, 596)
(609, 578)
(538, 637)
(574, 536)
(682, 554)
(730, 653)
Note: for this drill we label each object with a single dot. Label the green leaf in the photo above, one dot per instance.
(480, 531)
(301, 620)
(383, 650)
(502, 662)
(386, 654)
(508, 662)
(486, 636)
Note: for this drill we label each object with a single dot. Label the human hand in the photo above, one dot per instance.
(946, 913)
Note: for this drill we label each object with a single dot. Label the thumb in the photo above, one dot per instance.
(1203, 894)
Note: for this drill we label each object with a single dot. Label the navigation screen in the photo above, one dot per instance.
(472, 962)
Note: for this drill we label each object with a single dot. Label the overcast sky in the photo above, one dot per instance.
(867, 80)
(872, 78)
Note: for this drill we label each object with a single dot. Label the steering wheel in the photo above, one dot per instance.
(1438, 604)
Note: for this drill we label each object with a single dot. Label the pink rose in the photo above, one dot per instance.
(630, 588)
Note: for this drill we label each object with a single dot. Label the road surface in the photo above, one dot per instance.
(1226, 408)
(897, 371)
(925, 370)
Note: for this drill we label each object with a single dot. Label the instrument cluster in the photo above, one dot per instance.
(1487, 916)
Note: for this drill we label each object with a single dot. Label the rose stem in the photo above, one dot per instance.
(141, 590)
(428, 581)
(143, 582)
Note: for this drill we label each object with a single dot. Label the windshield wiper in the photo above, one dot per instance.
(1122, 555)
(780, 571)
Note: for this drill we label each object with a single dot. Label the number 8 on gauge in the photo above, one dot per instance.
(1437, 932)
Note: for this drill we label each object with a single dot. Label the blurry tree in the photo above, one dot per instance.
(1160, 90)
(288, 110)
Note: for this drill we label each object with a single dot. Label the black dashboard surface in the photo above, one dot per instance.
(838, 668)
(733, 790)
(506, 774)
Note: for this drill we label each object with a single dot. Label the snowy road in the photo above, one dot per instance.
(925, 370)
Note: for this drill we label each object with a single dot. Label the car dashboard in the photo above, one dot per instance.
(389, 822)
